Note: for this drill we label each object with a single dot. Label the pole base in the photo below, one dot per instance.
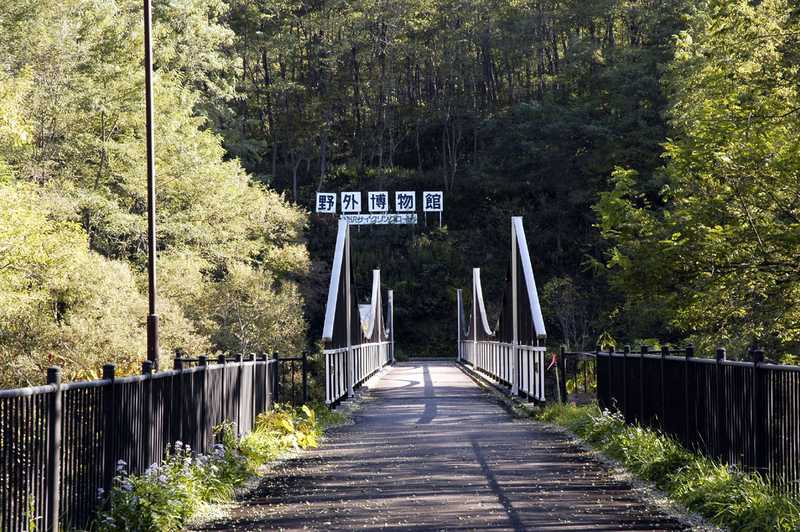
(152, 340)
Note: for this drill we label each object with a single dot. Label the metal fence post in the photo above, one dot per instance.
(562, 368)
(662, 382)
(267, 382)
(686, 398)
(176, 423)
(721, 413)
(147, 388)
(276, 378)
(203, 363)
(625, 352)
(645, 349)
(759, 419)
(238, 393)
(109, 434)
(610, 390)
(305, 377)
(53, 450)
(253, 394)
(223, 392)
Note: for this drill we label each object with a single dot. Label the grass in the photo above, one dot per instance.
(170, 494)
(724, 495)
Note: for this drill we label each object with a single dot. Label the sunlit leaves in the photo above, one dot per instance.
(72, 168)
(733, 195)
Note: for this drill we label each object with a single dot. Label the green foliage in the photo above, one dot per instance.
(512, 108)
(73, 222)
(563, 302)
(726, 496)
(676, 120)
(252, 313)
(283, 428)
(63, 303)
(714, 247)
(167, 496)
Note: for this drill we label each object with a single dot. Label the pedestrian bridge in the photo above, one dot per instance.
(429, 450)
(359, 339)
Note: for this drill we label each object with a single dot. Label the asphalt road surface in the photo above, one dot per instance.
(430, 450)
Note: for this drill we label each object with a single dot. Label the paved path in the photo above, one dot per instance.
(431, 451)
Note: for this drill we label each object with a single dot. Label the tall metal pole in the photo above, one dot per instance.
(152, 318)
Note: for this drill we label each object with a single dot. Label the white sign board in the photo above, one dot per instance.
(378, 202)
(433, 201)
(326, 203)
(379, 219)
(405, 201)
(351, 201)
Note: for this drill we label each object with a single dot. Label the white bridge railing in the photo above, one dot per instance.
(495, 360)
(366, 359)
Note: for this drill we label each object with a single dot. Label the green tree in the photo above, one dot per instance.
(72, 153)
(718, 246)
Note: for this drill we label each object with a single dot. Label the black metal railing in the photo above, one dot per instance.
(576, 377)
(60, 443)
(742, 413)
(292, 380)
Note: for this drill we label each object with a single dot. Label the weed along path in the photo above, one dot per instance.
(430, 450)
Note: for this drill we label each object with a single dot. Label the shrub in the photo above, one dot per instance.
(163, 498)
(725, 495)
(166, 496)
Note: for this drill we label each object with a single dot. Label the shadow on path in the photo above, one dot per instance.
(516, 522)
(431, 451)
(430, 402)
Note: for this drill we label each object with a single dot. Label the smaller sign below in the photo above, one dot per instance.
(378, 201)
(379, 219)
(405, 201)
(351, 201)
(326, 203)
(433, 201)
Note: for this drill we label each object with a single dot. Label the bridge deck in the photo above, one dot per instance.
(430, 450)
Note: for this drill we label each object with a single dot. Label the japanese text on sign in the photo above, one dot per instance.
(351, 201)
(378, 202)
(433, 201)
(405, 201)
(326, 203)
(379, 219)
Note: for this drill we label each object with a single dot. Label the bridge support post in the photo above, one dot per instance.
(391, 326)
(459, 303)
(349, 303)
(477, 359)
(514, 313)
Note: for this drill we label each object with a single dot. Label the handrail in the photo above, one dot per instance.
(767, 364)
(84, 427)
(27, 392)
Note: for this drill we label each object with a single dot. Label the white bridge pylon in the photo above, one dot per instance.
(513, 353)
(359, 339)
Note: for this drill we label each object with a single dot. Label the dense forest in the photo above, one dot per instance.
(651, 145)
